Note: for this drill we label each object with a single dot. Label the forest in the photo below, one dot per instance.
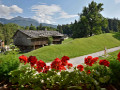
(91, 22)
(113, 25)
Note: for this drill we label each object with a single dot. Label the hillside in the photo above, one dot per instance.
(76, 47)
(24, 22)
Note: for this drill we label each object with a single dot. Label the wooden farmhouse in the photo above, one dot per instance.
(28, 40)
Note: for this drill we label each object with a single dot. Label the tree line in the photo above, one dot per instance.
(8, 30)
(91, 22)
(40, 27)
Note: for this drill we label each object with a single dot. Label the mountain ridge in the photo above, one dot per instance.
(24, 21)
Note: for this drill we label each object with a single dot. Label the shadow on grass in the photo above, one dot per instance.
(117, 35)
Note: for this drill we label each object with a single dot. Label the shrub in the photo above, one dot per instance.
(13, 50)
(115, 68)
(7, 64)
(50, 40)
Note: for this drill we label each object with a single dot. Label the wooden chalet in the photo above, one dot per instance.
(28, 40)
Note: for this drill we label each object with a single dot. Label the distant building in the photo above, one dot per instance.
(28, 40)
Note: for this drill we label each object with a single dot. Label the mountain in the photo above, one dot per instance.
(24, 21)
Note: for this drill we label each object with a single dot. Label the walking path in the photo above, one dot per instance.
(79, 60)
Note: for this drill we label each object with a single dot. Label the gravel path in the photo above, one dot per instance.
(80, 60)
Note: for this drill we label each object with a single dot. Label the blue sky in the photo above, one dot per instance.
(54, 11)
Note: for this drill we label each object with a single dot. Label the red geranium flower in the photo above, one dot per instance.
(39, 69)
(62, 67)
(104, 62)
(46, 68)
(89, 60)
(69, 65)
(118, 56)
(56, 64)
(23, 59)
(95, 59)
(80, 67)
(64, 60)
(32, 60)
(40, 64)
(88, 71)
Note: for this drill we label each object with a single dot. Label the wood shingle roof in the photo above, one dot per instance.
(40, 33)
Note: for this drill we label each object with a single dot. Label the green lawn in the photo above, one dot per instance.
(67, 40)
(76, 47)
(72, 47)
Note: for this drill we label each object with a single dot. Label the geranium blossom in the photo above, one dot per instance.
(46, 68)
(64, 60)
(90, 60)
(104, 62)
(56, 64)
(40, 64)
(69, 65)
(118, 56)
(88, 71)
(80, 67)
(95, 59)
(32, 60)
(62, 67)
(23, 59)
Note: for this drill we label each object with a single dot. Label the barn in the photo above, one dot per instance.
(28, 40)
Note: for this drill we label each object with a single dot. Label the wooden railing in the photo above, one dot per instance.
(39, 42)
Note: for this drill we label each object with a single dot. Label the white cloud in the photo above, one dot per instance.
(5, 11)
(44, 13)
(117, 1)
(66, 15)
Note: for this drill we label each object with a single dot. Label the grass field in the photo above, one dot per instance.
(76, 47)
(72, 47)
(67, 40)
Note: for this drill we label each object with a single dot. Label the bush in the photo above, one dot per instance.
(7, 64)
(15, 52)
(115, 68)
(50, 40)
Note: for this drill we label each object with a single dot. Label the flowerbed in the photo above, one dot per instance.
(94, 74)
